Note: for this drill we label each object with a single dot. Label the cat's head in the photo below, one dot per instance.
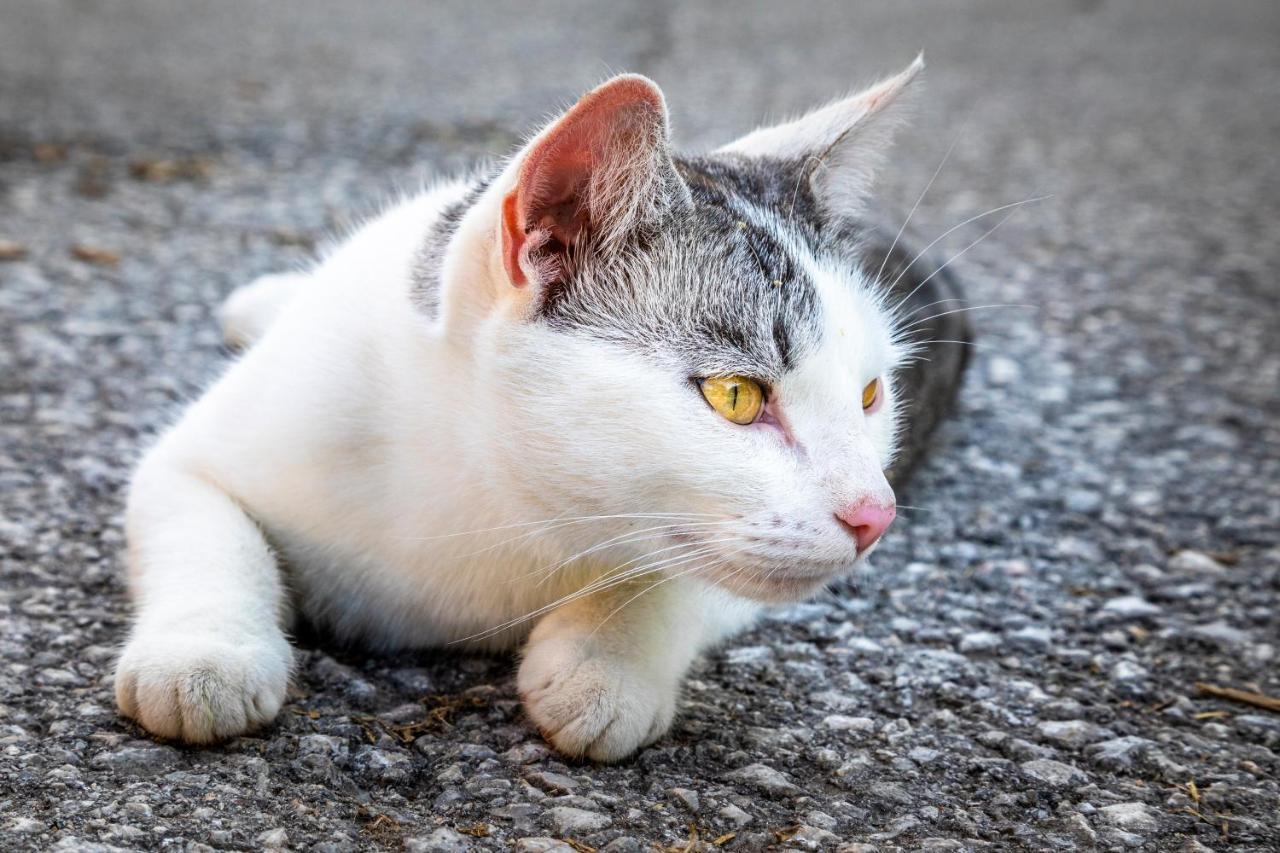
(685, 349)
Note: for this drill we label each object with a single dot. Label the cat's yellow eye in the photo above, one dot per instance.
(736, 398)
(870, 392)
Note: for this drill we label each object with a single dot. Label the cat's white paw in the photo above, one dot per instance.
(590, 704)
(202, 688)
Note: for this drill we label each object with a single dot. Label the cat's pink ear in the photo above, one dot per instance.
(841, 145)
(597, 172)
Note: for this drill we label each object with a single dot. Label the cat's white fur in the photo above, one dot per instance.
(359, 463)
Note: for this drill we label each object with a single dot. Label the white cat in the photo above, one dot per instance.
(606, 400)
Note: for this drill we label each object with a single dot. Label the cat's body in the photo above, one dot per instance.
(478, 420)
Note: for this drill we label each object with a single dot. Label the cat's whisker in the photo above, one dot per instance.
(559, 520)
(667, 565)
(1011, 206)
(912, 359)
(621, 539)
(599, 585)
(704, 565)
(924, 307)
(963, 310)
(612, 578)
(538, 531)
(984, 235)
(632, 536)
(920, 198)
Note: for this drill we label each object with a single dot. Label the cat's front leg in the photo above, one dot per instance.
(206, 658)
(601, 676)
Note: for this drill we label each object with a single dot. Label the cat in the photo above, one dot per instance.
(604, 401)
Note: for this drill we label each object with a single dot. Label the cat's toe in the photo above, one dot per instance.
(200, 689)
(593, 707)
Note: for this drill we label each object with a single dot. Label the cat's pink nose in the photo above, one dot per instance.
(867, 520)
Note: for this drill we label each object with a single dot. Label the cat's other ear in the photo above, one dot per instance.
(596, 173)
(839, 146)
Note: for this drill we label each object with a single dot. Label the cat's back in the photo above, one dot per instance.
(302, 412)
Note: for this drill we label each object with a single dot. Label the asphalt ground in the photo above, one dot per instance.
(1099, 522)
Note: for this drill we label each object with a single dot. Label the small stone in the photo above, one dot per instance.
(526, 753)
(1195, 563)
(273, 839)
(1072, 734)
(841, 723)
(1115, 639)
(1129, 607)
(624, 845)
(1266, 729)
(138, 810)
(687, 798)
(320, 744)
(778, 739)
(1120, 753)
(808, 837)
(904, 825)
(891, 793)
(749, 655)
(141, 761)
(382, 765)
(734, 816)
(552, 783)
(1127, 671)
(834, 700)
(542, 845)
(443, 840)
(27, 826)
(1031, 639)
(905, 625)
(1131, 817)
(923, 755)
(1082, 501)
(764, 778)
(1078, 829)
(1054, 773)
(361, 693)
(980, 642)
(567, 820)
(865, 646)
(895, 730)
(1220, 634)
(225, 838)
(1002, 370)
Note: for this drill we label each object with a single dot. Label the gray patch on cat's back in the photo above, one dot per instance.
(916, 284)
(428, 261)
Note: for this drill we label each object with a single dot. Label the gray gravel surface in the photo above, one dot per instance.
(1097, 530)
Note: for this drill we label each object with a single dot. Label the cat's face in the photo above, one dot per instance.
(688, 351)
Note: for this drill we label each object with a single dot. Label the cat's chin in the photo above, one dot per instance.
(773, 588)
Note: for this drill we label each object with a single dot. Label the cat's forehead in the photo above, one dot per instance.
(725, 283)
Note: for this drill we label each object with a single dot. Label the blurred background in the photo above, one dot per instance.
(1096, 533)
